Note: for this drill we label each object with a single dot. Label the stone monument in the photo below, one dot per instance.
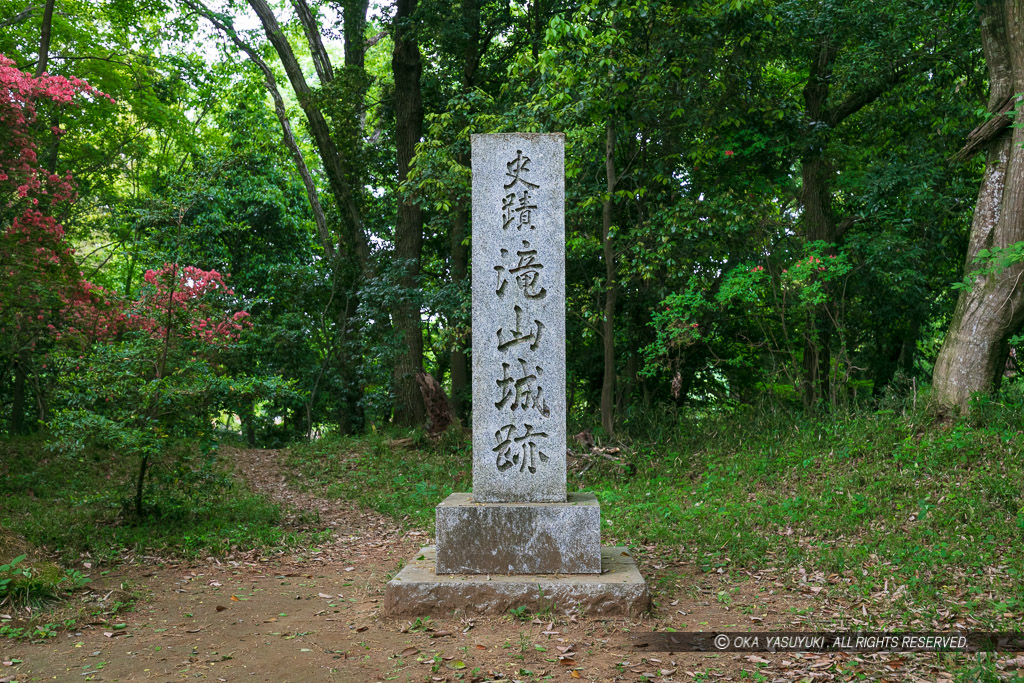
(520, 539)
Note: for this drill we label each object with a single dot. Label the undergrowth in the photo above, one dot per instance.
(890, 499)
(885, 500)
(79, 508)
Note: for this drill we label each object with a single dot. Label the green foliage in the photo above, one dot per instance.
(21, 585)
(521, 613)
(774, 305)
(33, 583)
(990, 261)
(11, 571)
(82, 506)
(709, 103)
(869, 496)
(117, 401)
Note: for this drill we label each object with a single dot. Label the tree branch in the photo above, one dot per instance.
(334, 165)
(989, 130)
(19, 17)
(370, 42)
(282, 116)
(321, 60)
(860, 99)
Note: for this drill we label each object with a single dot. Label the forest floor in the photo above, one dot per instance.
(316, 616)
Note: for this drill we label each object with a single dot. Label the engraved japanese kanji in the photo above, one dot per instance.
(518, 335)
(526, 273)
(522, 450)
(517, 168)
(520, 388)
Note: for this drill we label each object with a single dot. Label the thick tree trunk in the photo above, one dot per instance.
(406, 67)
(991, 309)
(354, 16)
(611, 287)
(354, 32)
(818, 217)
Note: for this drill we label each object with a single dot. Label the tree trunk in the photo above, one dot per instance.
(45, 31)
(18, 398)
(354, 28)
(461, 396)
(990, 310)
(406, 67)
(611, 292)
(354, 32)
(248, 419)
(818, 217)
(321, 61)
(140, 485)
(44, 38)
(459, 359)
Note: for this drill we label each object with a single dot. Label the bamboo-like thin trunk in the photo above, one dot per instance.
(611, 291)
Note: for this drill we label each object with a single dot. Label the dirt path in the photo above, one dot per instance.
(315, 617)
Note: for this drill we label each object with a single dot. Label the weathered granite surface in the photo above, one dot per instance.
(518, 238)
(519, 538)
(518, 518)
(418, 590)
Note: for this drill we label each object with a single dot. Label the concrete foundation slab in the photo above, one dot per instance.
(418, 590)
(519, 538)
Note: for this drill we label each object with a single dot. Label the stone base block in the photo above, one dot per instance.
(518, 538)
(418, 590)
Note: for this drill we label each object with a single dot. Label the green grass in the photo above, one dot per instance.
(875, 496)
(80, 507)
(393, 479)
(884, 498)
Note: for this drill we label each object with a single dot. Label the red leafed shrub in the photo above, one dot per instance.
(178, 298)
(38, 277)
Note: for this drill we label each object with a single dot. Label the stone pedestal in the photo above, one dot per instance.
(418, 589)
(519, 538)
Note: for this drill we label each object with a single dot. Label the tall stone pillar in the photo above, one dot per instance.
(519, 538)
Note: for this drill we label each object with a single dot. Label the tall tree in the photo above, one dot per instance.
(832, 100)
(990, 308)
(611, 284)
(337, 165)
(407, 68)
